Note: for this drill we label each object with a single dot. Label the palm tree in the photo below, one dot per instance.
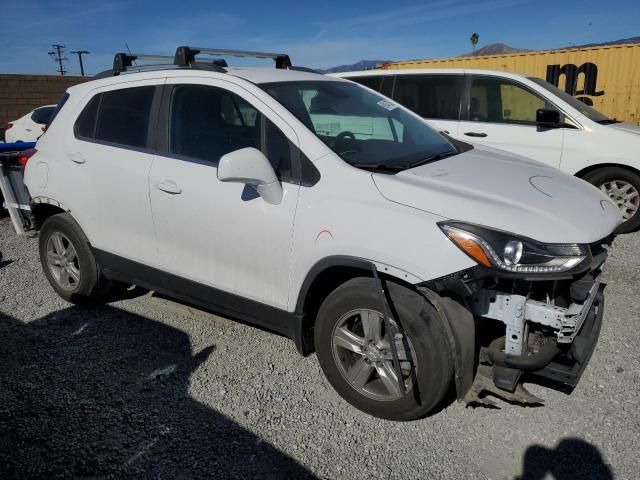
(474, 40)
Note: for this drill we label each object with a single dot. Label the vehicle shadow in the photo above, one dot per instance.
(572, 459)
(101, 392)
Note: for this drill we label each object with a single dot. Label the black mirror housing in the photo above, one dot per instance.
(548, 117)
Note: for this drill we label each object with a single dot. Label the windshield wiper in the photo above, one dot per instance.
(381, 167)
(398, 167)
(608, 121)
(433, 158)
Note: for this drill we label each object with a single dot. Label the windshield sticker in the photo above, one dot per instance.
(388, 104)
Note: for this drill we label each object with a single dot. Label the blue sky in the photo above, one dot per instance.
(316, 34)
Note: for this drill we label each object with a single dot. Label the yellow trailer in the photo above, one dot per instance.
(606, 77)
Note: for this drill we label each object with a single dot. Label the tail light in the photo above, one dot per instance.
(44, 129)
(9, 125)
(25, 156)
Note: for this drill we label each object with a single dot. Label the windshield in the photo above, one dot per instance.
(583, 108)
(365, 129)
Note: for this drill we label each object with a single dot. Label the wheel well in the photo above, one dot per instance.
(42, 211)
(586, 171)
(321, 287)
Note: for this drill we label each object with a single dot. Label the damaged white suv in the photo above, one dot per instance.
(410, 262)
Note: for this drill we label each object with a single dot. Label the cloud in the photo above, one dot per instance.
(392, 20)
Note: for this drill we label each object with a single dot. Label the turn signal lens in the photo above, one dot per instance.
(469, 245)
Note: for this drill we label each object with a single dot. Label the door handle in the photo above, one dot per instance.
(76, 157)
(475, 134)
(169, 186)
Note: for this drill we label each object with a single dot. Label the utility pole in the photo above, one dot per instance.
(58, 56)
(80, 53)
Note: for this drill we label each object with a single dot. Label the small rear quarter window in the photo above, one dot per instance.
(86, 124)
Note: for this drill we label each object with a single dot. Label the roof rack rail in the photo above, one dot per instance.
(123, 61)
(185, 56)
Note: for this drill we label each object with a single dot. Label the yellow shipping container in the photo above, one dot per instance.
(606, 77)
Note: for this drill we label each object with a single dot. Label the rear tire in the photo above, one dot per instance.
(68, 262)
(358, 376)
(623, 187)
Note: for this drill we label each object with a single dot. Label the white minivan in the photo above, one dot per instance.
(527, 116)
(321, 210)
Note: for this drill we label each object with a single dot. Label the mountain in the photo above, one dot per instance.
(502, 49)
(491, 49)
(495, 49)
(622, 41)
(361, 65)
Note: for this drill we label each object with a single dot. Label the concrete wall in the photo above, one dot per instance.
(20, 94)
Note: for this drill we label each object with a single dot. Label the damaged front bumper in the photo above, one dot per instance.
(544, 341)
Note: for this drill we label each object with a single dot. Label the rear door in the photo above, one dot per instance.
(435, 97)
(104, 175)
(501, 113)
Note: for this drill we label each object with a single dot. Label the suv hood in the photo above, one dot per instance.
(626, 127)
(499, 190)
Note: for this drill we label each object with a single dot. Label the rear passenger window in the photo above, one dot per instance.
(373, 83)
(430, 96)
(206, 123)
(123, 116)
(379, 83)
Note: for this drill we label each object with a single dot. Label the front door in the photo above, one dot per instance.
(501, 113)
(222, 234)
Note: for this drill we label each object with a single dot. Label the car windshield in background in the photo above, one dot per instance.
(42, 115)
(583, 108)
(365, 129)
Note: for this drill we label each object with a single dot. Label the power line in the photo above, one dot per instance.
(58, 56)
(80, 53)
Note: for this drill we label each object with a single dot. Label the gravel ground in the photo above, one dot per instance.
(145, 387)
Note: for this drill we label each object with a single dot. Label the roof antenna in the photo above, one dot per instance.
(129, 50)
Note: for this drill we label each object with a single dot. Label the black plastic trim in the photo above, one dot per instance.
(321, 266)
(239, 308)
(567, 369)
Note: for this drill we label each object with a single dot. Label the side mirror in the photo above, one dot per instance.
(251, 167)
(547, 117)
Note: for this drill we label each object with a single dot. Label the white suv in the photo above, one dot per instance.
(526, 116)
(325, 212)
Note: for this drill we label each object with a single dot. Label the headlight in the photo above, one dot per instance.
(511, 253)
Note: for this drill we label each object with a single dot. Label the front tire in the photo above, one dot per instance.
(68, 262)
(353, 349)
(623, 187)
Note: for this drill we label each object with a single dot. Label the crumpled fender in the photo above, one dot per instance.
(460, 330)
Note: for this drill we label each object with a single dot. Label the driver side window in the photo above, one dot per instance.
(206, 123)
(499, 100)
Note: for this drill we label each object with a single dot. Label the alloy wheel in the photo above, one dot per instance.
(624, 195)
(362, 350)
(62, 260)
